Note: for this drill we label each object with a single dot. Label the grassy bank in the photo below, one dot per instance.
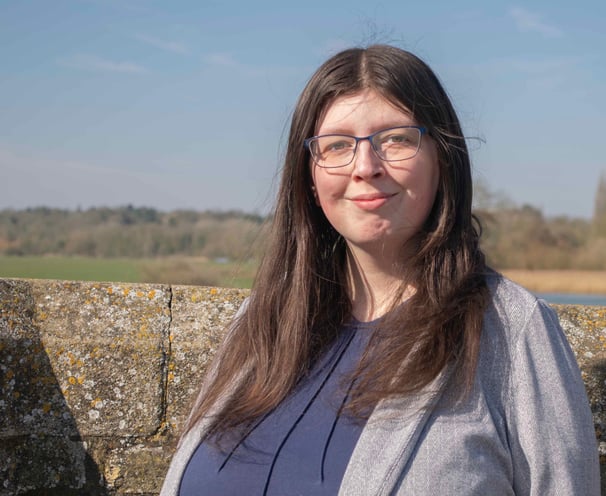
(70, 268)
(177, 270)
(560, 281)
(204, 272)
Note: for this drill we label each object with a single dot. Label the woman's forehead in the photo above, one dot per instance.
(361, 104)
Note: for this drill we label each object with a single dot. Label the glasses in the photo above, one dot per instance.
(338, 150)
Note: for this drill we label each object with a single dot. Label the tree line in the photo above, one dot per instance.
(513, 236)
(131, 232)
(521, 237)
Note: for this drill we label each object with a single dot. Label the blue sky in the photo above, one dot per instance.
(111, 102)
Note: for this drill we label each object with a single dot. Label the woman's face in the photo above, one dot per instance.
(377, 206)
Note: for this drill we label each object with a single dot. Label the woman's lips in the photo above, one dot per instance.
(371, 201)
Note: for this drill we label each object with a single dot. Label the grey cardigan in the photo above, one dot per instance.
(525, 429)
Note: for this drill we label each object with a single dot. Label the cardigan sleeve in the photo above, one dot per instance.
(551, 433)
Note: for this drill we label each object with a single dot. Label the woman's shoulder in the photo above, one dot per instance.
(513, 309)
(519, 332)
(510, 298)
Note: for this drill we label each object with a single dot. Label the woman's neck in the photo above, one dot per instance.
(373, 284)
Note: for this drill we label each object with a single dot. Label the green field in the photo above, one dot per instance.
(200, 271)
(173, 270)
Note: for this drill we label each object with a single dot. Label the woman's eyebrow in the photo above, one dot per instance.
(347, 130)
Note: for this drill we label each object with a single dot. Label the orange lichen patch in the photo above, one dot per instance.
(125, 291)
(110, 290)
(72, 380)
(151, 295)
(9, 375)
(95, 402)
(46, 407)
(81, 379)
(139, 294)
(143, 331)
(164, 429)
(112, 474)
(213, 291)
(16, 395)
(591, 319)
(171, 376)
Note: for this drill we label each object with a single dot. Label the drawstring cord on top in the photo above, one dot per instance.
(332, 430)
(262, 419)
(239, 443)
(302, 414)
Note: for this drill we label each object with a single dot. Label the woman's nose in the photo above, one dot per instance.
(367, 164)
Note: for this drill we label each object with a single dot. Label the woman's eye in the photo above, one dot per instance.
(337, 146)
(396, 138)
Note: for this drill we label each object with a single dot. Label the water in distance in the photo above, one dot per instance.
(573, 298)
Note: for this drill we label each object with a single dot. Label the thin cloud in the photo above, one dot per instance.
(222, 59)
(545, 66)
(122, 5)
(225, 64)
(229, 62)
(540, 68)
(98, 64)
(538, 73)
(527, 21)
(168, 46)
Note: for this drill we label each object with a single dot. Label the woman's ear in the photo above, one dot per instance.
(313, 189)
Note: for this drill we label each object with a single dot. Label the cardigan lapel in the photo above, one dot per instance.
(389, 439)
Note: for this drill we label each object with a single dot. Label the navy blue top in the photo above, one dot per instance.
(302, 447)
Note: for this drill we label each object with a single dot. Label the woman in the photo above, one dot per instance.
(377, 354)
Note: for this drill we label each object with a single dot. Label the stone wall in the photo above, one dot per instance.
(96, 379)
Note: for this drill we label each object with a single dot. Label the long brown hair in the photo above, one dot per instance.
(299, 300)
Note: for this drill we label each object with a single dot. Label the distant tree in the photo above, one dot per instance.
(486, 200)
(599, 213)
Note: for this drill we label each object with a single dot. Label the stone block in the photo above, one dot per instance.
(200, 315)
(31, 400)
(107, 345)
(137, 469)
